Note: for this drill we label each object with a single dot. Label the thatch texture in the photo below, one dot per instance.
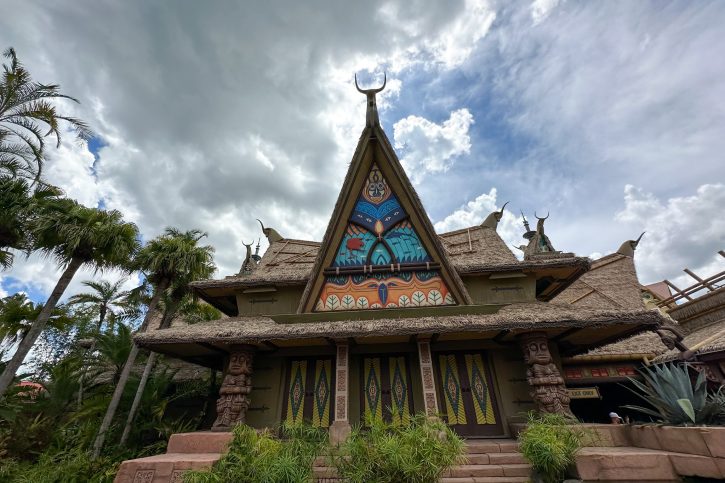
(610, 283)
(290, 262)
(646, 344)
(702, 311)
(286, 262)
(476, 245)
(525, 316)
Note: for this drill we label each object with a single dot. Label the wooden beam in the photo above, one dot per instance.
(271, 345)
(677, 289)
(566, 333)
(613, 338)
(212, 348)
(704, 282)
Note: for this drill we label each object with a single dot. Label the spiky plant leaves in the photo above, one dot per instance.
(665, 389)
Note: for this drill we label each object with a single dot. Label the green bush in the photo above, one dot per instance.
(550, 443)
(73, 466)
(259, 457)
(385, 453)
(668, 388)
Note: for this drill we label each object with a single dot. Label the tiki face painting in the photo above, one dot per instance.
(381, 262)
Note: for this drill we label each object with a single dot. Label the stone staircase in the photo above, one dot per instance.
(487, 461)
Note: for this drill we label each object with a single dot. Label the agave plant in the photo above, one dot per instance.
(668, 388)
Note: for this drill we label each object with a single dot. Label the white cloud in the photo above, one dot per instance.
(510, 228)
(683, 231)
(70, 168)
(540, 9)
(427, 147)
(457, 42)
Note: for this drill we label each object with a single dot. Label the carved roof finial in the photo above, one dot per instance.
(627, 248)
(371, 117)
(271, 234)
(493, 218)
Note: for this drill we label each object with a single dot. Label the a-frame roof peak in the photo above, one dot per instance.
(380, 247)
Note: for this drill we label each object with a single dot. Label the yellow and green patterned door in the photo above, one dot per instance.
(309, 392)
(465, 394)
(386, 389)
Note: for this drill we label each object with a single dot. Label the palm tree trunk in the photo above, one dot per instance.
(165, 322)
(126, 372)
(38, 325)
(102, 315)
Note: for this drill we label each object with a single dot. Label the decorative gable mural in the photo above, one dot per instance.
(381, 262)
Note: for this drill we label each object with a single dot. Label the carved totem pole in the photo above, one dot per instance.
(233, 402)
(547, 386)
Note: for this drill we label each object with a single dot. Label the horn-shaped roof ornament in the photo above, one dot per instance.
(271, 234)
(371, 117)
(541, 219)
(493, 218)
(627, 248)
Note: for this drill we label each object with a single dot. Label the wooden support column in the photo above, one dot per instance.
(340, 429)
(233, 402)
(430, 398)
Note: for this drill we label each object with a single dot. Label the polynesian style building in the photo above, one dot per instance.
(695, 333)
(385, 318)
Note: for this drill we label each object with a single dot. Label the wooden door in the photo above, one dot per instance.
(309, 392)
(465, 392)
(386, 389)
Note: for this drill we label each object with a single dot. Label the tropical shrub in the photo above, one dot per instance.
(550, 443)
(668, 388)
(260, 457)
(382, 452)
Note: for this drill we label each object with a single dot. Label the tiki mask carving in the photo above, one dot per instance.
(547, 386)
(233, 399)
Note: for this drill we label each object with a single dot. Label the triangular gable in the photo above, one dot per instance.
(380, 249)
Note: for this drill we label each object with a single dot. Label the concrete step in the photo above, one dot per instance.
(487, 479)
(463, 471)
(199, 442)
(624, 464)
(484, 446)
(163, 468)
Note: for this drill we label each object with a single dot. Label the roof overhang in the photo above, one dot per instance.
(574, 330)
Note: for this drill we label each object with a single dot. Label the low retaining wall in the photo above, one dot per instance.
(683, 451)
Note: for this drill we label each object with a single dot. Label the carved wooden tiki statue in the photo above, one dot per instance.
(547, 386)
(233, 399)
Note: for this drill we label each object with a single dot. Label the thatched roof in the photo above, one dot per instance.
(610, 283)
(647, 344)
(289, 262)
(594, 327)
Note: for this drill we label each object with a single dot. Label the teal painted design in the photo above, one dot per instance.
(399, 390)
(380, 255)
(406, 245)
(372, 389)
(478, 388)
(323, 391)
(451, 388)
(297, 393)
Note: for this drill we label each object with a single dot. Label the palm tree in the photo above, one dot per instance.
(20, 205)
(27, 118)
(106, 297)
(74, 236)
(179, 296)
(17, 313)
(166, 260)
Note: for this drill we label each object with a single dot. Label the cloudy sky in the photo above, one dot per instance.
(608, 115)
